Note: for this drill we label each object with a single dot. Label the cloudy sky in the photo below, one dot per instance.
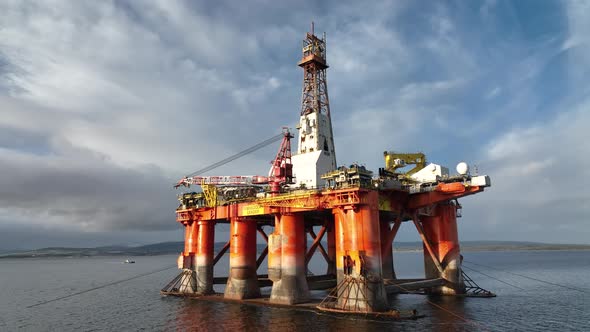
(104, 104)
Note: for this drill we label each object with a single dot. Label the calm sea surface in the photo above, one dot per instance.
(137, 304)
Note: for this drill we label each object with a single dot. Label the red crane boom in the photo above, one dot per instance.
(281, 172)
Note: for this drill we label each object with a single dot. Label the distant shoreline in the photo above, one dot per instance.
(170, 248)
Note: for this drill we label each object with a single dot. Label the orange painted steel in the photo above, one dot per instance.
(315, 201)
(359, 244)
(243, 281)
(318, 201)
(204, 256)
(441, 231)
(339, 241)
(186, 260)
(358, 250)
(206, 241)
(274, 252)
(427, 247)
(293, 242)
(184, 216)
(292, 286)
(191, 232)
(425, 199)
(452, 188)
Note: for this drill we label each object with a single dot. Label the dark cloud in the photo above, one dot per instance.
(85, 192)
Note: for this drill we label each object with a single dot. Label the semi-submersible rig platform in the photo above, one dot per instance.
(356, 215)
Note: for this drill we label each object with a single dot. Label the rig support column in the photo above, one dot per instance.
(274, 252)
(189, 282)
(204, 256)
(291, 287)
(243, 281)
(387, 267)
(441, 231)
(358, 261)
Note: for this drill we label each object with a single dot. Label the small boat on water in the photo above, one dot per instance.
(127, 261)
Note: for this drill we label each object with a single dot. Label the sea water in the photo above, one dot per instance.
(560, 303)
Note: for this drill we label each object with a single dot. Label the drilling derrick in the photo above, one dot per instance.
(315, 152)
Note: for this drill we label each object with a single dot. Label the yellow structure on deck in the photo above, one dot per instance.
(394, 161)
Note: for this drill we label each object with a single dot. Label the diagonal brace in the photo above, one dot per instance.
(316, 244)
(262, 257)
(427, 244)
(261, 232)
(221, 253)
(391, 235)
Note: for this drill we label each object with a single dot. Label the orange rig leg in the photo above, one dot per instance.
(191, 231)
(243, 281)
(290, 284)
(441, 231)
(358, 257)
(204, 256)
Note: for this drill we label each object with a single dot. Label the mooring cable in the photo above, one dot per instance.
(466, 320)
(489, 276)
(101, 286)
(527, 277)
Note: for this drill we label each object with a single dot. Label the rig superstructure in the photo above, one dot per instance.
(358, 216)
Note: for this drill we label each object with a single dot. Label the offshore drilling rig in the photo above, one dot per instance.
(358, 215)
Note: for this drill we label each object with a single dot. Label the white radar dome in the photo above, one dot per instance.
(462, 168)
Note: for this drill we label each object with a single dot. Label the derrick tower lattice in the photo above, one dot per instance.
(316, 154)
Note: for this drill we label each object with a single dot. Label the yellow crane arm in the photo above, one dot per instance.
(394, 161)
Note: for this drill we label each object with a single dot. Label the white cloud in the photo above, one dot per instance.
(538, 182)
(578, 22)
(539, 169)
(131, 91)
(101, 101)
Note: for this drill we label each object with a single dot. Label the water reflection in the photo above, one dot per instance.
(450, 313)
(442, 314)
(199, 315)
(193, 315)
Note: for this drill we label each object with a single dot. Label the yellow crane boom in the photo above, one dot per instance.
(394, 161)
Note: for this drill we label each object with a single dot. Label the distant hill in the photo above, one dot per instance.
(177, 247)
